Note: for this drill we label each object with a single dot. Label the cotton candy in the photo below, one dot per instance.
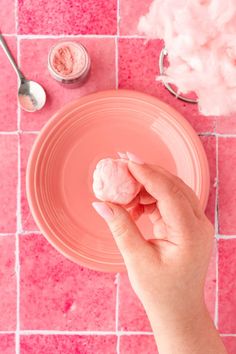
(200, 37)
(112, 182)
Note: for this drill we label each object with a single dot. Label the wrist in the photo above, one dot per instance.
(177, 317)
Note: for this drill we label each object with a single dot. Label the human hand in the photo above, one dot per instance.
(169, 271)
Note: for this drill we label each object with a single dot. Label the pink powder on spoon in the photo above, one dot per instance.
(27, 103)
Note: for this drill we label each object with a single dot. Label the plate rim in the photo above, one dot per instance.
(69, 107)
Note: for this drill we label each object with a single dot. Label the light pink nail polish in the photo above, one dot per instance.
(135, 158)
(103, 210)
(122, 155)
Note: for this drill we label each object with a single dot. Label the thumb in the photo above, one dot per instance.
(127, 236)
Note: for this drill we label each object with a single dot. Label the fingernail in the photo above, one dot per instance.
(122, 155)
(103, 210)
(134, 158)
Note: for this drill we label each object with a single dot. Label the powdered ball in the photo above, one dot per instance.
(112, 182)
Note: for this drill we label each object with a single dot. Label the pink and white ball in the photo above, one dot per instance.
(113, 182)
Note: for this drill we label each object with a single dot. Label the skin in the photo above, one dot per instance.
(168, 274)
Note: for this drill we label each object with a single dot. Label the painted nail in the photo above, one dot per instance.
(134, 158)
(103, 210)
(122, 155)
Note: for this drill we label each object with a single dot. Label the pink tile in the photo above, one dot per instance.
(67, 17)
(57, 294)
(7, 284)
(66, 344)
(26, 141)
(227, 286)
(7, 17)
(138, 68)
(230, 344)
(210, 286)
(102, 52)
(8, 182)
(8, 81)
(209, 143)
(132, 316)
(7, 344)
(141, 344)
(227, 186)
(130, 13)
(226, 125)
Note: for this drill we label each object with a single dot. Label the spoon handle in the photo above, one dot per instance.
(11, 59)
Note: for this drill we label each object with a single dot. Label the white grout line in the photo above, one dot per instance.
(117, 282)
(9, 34)
(30, 131)
(7, 332)
(118, 17)
(19, 226)
(72, 333)
(226, 135)
(117, 61)
(216, 319)
(228, 335)
(135, 333)
(217, 135)
(118, 344)
(7, 234)
(16, 16)
(8, 133)
(84, 333)
(226, 237)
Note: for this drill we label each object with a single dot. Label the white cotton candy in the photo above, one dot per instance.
(200, 37)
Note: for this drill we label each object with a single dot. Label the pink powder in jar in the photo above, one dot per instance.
(69, 63)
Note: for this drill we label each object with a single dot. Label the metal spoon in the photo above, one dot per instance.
(31, 95)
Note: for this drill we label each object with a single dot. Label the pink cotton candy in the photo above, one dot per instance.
(112, 182)
(200, 37)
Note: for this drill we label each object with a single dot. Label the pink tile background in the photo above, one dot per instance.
(7, 284)
(141, 344)
(8, 95)
(69, 17)
(227, 186)
(59, 295)
(66, 344)
(27, 221)
(7, 344)
(8, 182)
(130, 14)
(7, 17)
(87, 308)
(227, 286)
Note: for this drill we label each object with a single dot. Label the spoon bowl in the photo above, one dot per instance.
(31, 96)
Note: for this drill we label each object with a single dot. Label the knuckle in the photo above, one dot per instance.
(119, 229)
(175, 190)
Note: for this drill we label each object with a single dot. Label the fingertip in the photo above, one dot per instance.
(103, 210)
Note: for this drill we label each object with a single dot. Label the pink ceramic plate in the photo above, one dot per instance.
(59, 174)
